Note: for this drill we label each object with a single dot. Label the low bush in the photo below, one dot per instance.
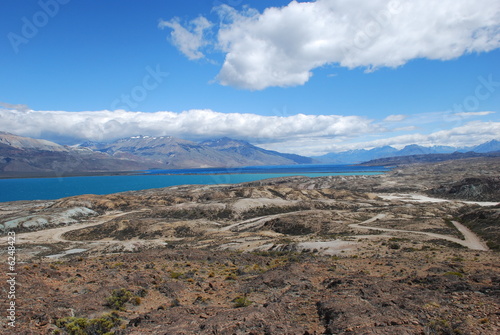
(83, 326)
(118, 299)
(242, 301)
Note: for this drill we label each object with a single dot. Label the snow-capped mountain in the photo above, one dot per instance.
(178, 153)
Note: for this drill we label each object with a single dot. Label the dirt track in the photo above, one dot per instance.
(472, 241)
(54, 235)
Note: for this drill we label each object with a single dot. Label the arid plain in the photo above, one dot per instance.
(412, 251)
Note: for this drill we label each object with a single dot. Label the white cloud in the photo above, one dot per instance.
(192, 124)
(281, 46)
(470, 134)
(471, 114)
(20, 107)
(308, 135)
(409, 128)
(430, 120)
(191, 39)
(395, 118)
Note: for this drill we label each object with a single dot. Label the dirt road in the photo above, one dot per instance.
(54, 235)
(472, 241)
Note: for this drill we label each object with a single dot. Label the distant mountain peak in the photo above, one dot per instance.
(144, 137)
(493, 145)
(358, 156)
(412, 146)
(27, 143)
(224, 142)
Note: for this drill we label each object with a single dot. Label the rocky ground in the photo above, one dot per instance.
(413, 251)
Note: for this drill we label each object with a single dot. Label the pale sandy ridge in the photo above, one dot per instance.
(423, 198)
(54, 235)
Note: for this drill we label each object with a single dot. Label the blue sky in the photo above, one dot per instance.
(299, 77)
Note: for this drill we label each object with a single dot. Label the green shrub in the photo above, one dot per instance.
(83, 326)
(176, 275)
(118, 299)
(394, 246)
(242, 301)
(443, 327)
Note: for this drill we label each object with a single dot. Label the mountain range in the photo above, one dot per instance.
(23, 156)
(171, 152)
(363, 155)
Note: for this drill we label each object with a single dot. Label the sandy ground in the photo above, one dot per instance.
(423, 198)
(55, 235)
(254, 222)
(334, 247)
(247, 204)
(472, 240)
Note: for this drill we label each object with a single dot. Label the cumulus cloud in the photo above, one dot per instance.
(308, 135)
(190, 39)
(470, 134)
(192, 124)
(281, 46)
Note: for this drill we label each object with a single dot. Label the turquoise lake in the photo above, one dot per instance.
(55, 188)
